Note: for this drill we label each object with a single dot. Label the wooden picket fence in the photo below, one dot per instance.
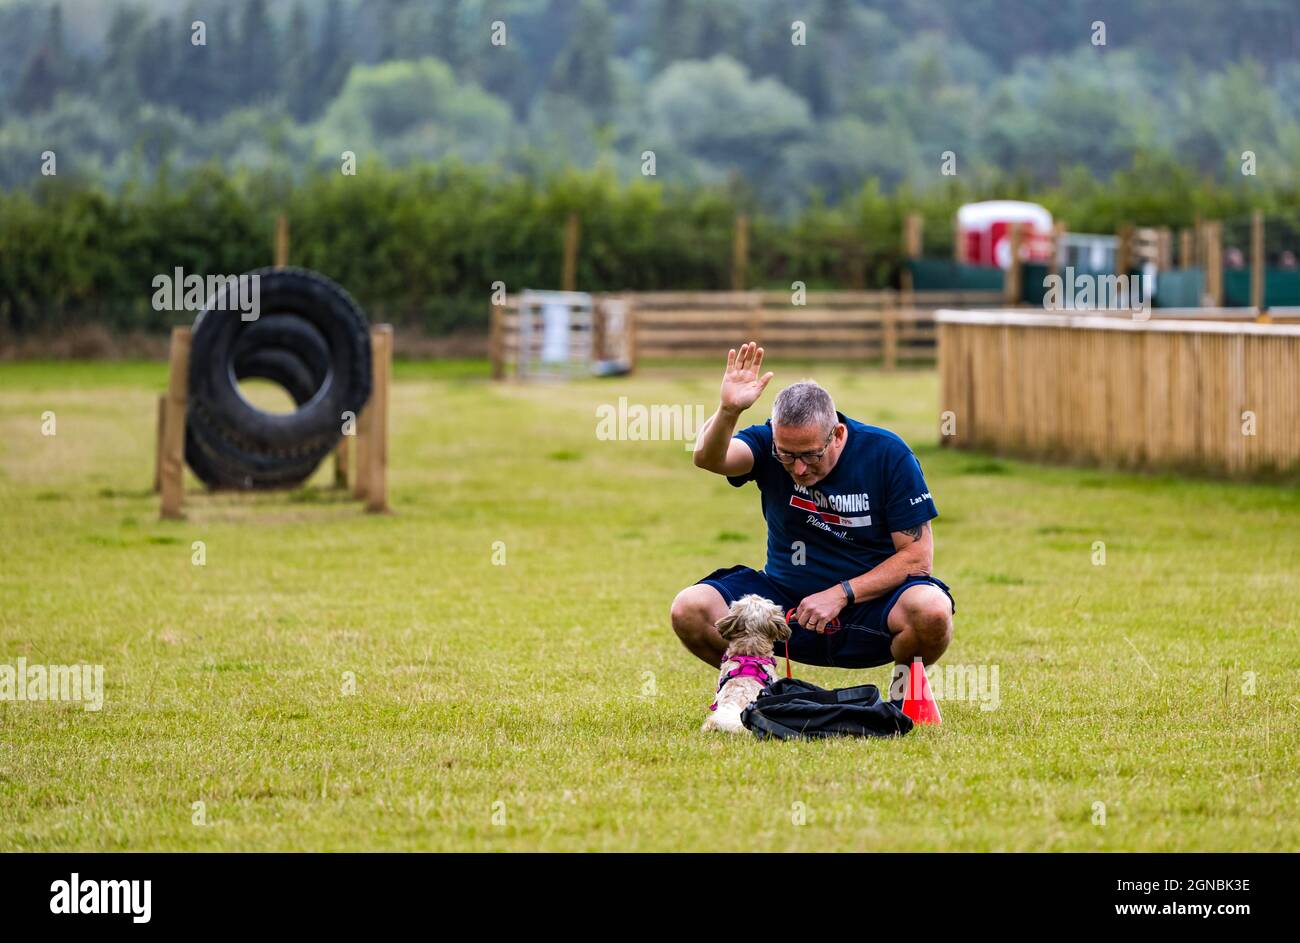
(1213, 396)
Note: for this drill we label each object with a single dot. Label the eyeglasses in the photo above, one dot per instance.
(808, 458)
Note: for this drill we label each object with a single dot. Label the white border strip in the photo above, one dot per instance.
(1010, 318)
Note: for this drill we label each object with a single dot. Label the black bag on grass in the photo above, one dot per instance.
(790, 709)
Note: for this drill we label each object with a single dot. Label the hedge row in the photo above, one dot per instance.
(422, 246)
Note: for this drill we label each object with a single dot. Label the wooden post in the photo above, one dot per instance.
(158, 444)
(341, 463)
(913, 230)
(889, 333)
(1257, 261)
(365, 437)
(739, 252)
(1124, 250)
(381, 353)
(1214, 262)
(958, 243)
(599, 341)
(569, 279)
(1011, 279)
(1164, 248)
(1202, 251)
(281, 241)
(912, 234)
(1186, 254)
(1124, 257)
(857, 269)
(1059, 231)
(172, 475)
(629, 325)
(497, 340)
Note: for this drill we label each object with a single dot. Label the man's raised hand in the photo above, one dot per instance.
(742, 384)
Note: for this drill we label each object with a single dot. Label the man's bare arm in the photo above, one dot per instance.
(913, 556)
(717, 451)
(742, 385)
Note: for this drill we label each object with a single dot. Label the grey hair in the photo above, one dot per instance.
(803, 404)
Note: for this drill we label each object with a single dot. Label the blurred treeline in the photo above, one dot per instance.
(422, 245)
(715, 88)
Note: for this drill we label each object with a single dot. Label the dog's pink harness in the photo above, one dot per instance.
(748, 666)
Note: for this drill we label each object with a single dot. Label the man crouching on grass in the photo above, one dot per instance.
(849, 544)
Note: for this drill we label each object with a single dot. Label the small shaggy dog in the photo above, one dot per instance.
(751, 628)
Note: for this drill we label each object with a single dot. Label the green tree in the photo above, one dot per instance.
(582, 70)
(299, 64)
(334, 57)
(257, 56)
(713, 112)
(414, 110)
(48, 68)
(125, 51)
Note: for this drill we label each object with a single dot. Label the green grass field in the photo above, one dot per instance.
(546, 704)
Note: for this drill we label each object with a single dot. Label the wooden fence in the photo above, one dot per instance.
(885, 327)
(1221, 397)
(1270, 316)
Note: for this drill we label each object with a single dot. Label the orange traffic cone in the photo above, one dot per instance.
(918, 703)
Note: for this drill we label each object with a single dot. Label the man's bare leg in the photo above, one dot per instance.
(695, 615)
(921, 621)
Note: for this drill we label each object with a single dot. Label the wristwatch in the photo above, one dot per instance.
(848, 592)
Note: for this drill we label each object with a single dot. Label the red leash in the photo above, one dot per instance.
(832, 626)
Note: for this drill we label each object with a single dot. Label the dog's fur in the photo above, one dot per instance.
(751, 627)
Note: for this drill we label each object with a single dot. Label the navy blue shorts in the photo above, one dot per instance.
(863, 638)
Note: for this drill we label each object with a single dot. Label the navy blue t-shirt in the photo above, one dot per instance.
(845, 520)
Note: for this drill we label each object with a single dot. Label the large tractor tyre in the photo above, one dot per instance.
(230, 420)
(218, 469)
(310, 338)
(292, 334)
(228, 469)
(282, 367)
